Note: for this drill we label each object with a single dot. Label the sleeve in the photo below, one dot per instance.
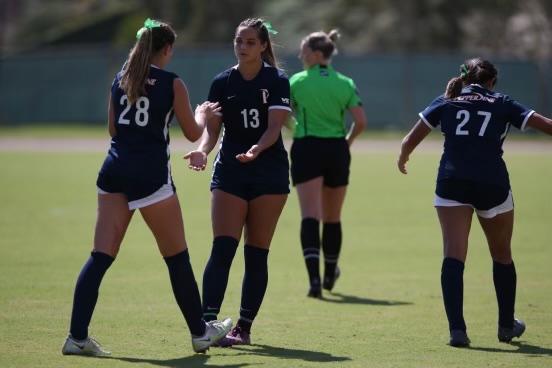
(355, 100)
(517, 114)
(279, 95)
(115, 83)
(216, 93)
(431, 116)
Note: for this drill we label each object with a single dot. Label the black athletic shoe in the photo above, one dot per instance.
(459, 339)
(507, 334)
(315, 292)
(329, 282)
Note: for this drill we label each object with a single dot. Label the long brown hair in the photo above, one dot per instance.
(476, 70)
(136, 68)
(259, 25)
(323, 42)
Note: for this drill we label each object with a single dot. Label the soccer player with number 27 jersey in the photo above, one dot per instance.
(472, 176)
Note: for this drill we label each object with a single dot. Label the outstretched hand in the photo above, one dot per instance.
(198, 160)
(208, 109)
(401, 164)
(249, 155)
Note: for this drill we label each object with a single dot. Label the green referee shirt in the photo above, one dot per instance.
(320, 97)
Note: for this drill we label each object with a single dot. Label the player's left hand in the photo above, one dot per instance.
(208, 108)
(198, 160)
(249, 155)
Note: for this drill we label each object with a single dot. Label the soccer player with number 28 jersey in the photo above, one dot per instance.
(250, 180)
(136, 175)
(473, 177)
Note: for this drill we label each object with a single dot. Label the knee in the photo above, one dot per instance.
(224, 250)
(503, 258)
(501, 254)
(456, 250)
(256, 259)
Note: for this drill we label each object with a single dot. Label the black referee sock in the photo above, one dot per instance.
(86, 293)
(452, 284)
(185, 291)
(504, 277)
(331, 245)
(254, 285)
(215, 277)
(310, 242)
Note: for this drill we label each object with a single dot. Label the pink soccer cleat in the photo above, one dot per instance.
(235, 337)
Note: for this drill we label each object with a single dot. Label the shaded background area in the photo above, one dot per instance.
(58, 57)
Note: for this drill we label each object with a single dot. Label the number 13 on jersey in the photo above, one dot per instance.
(250, 118)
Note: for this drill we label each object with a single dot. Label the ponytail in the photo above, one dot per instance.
(334, 35)
(476, 70)
(153, 37)
(323, 42)
(454, 88)
(136, 68)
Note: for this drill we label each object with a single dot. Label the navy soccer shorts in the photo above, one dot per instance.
(488, 200)
(143, 184)
(251, 180)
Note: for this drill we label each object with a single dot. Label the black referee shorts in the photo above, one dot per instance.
(312, 157)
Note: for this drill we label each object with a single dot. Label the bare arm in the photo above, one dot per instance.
(210, 135)
(111, 118)
(191, 128)
(276, 119)
(410, 142)
(359, 123)
(539, 122)
(209, 138)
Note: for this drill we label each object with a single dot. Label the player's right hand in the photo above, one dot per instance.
(198, 160)
(208, 108)
(401, 164)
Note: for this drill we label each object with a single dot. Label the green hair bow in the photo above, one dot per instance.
(269, 28)
(463, 70)
(148, 24)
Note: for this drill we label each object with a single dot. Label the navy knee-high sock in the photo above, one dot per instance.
(185, 291)
(310, 242)
(331, 245)
(215, 277)
(504, 277)
(86, 293)
(452, 284)
(254, 284)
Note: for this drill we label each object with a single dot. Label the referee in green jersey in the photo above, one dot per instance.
(320, 156)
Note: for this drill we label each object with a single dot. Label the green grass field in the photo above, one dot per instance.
(386, 310)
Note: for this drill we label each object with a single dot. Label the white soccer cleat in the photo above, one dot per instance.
(88, 347)
(214, 331)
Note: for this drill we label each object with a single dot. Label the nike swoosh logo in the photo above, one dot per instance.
(207, 339)
(230, 97)
(80, 346)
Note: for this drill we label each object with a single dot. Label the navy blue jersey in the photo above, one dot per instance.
(245, 105)
(475, 125)
(142, 129)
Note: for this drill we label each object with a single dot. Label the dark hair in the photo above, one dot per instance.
(476, 70)
(258, 24)
(323, 42)
(136, 67)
